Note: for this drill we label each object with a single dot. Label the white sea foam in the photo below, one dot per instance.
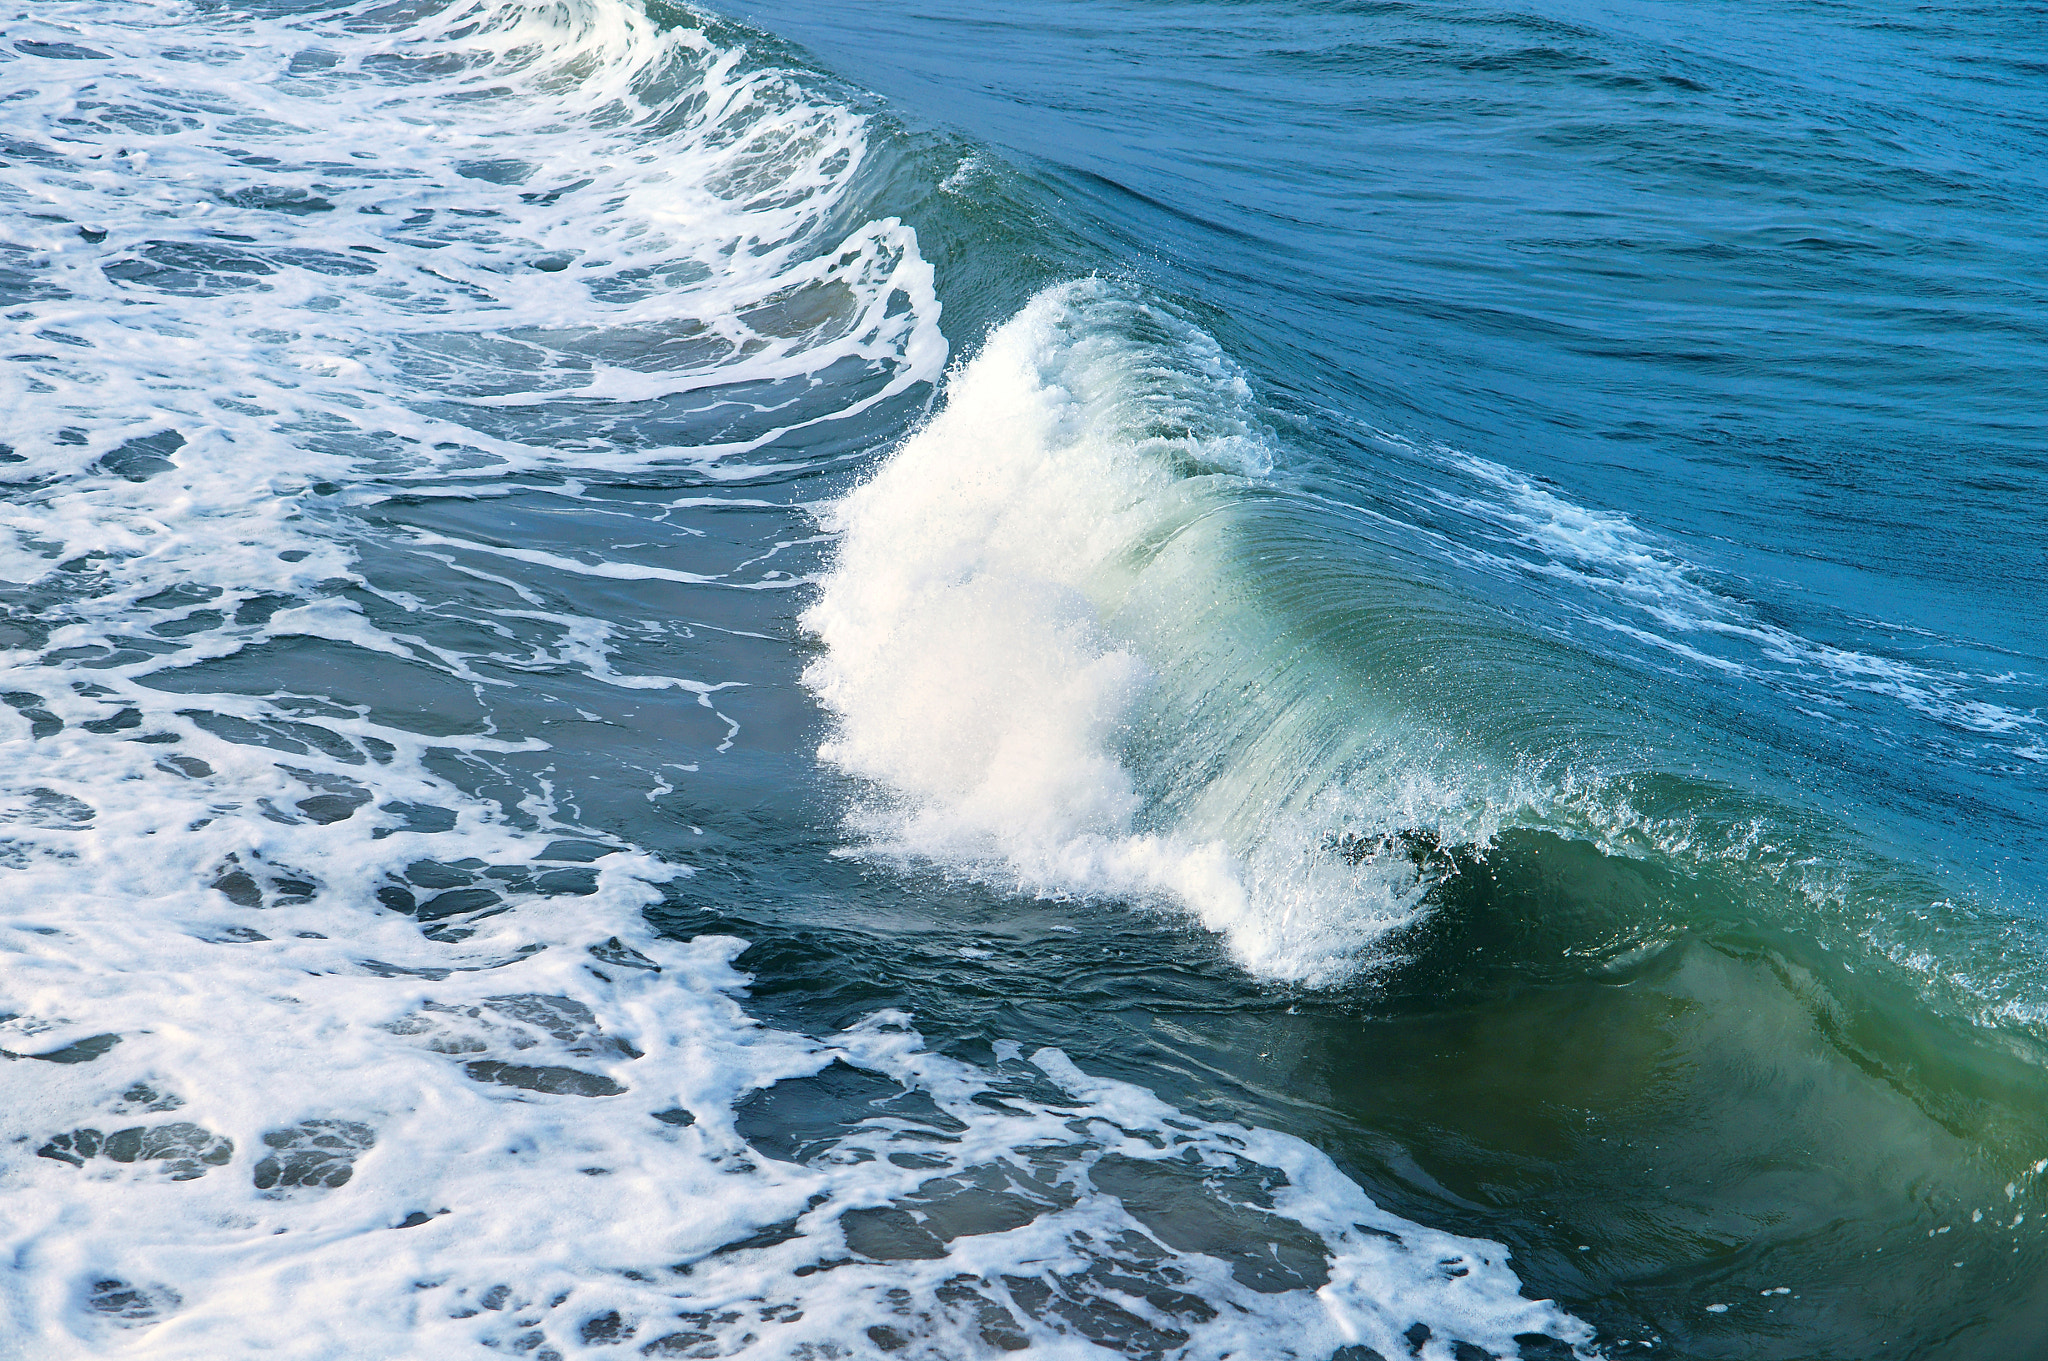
(282, 1075)
(996, 589)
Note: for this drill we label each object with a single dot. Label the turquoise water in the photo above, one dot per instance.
(1171, 680)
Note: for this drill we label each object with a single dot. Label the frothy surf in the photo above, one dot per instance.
(331, 1031)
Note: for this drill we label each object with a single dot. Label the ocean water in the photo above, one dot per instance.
(1256, 679)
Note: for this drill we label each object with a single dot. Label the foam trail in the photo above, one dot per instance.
(1609, 555)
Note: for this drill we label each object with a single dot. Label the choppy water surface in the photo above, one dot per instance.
(1225, 680)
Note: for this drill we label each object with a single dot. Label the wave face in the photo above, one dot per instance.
(1081, 639)
(404, 406)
